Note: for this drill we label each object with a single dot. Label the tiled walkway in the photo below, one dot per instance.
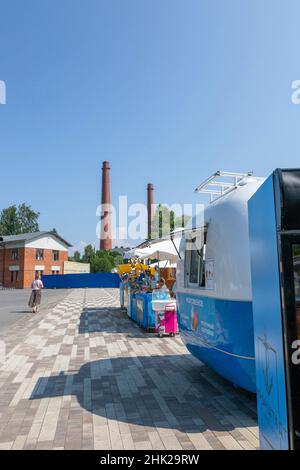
(83, 376)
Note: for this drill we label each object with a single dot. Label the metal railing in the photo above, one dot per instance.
(221, 183)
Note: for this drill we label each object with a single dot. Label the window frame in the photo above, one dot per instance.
(15, 254)
(191, 252)
(39, 250)
(201, 279)
(54, 253)
(201, 251)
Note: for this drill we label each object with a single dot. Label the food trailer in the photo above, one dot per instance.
(213, 283)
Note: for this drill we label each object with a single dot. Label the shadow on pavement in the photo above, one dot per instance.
(110, 320)
(165, 391)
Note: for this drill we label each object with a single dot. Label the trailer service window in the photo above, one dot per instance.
(194, 262)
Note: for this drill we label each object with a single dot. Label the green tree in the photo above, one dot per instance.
(77, 256)
(181, 221)
(116, 257)
(102, 264)
(18, 219)
(9, 223)
(89, 254)
(100, 261)
(28, 218)
(165, 221)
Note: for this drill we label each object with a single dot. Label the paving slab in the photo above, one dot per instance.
(82, 375)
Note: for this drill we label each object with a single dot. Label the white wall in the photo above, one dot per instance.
(72, 267)
(48, 242)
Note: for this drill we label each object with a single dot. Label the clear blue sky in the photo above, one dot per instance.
(167, 90)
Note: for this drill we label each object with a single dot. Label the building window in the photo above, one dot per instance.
(39, 255)
(11, 276)
(17, 275)
(39, 272)
(15, 254)
(55, 255)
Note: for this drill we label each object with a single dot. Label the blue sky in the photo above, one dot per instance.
(167, 90)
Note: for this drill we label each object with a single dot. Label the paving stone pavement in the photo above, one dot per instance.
(84, 376)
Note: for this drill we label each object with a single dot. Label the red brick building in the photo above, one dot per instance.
(21, 256)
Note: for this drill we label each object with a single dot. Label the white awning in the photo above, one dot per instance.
(161, 250)
(163, 264)
(133, 253)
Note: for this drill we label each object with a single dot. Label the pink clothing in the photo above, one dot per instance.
(37, 284)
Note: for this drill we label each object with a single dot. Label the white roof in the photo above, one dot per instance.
(130, 254)
(161, 250)
(163, 264)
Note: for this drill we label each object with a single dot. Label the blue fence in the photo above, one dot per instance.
(76, 281)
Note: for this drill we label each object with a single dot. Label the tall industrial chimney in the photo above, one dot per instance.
(150, 208)
(105, 240)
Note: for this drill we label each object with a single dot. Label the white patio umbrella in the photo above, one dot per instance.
(161, 250)
(163, 264)
(133, 253)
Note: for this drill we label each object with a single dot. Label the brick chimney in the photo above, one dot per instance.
(105, 240)
(150, 207)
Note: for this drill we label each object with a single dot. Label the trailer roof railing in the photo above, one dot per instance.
(221, 183)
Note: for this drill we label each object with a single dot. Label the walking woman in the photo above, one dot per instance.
(36, 294)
